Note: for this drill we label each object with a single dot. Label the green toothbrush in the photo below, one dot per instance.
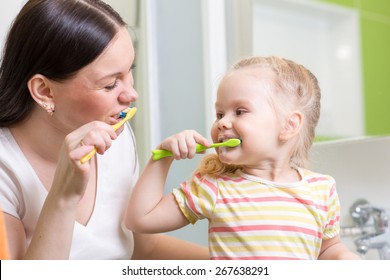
(159, 154)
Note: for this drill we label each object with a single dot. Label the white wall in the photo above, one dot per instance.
(360, 167)
(177, 28)
(127, 8)
(8, 11)
(326, 39)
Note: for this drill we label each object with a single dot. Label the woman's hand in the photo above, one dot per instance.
(183, 144)
(71, 175)
(53, 234)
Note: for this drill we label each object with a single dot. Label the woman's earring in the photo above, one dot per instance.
(49, 108)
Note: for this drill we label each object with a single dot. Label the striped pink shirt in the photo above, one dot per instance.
(251, 218)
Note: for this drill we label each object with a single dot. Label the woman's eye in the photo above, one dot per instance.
(112, 86)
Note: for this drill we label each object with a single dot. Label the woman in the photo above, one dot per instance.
(65, 77)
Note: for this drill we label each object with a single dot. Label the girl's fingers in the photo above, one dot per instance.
(202, 140)
(191, 146)
(183, 144)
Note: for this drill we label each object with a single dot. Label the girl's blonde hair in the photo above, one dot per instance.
(295, 88)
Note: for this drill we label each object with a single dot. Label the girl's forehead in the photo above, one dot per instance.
(248, 79)
(242, 76)
(243, 92)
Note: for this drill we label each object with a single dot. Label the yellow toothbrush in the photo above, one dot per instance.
(130, 112)
(159, 154)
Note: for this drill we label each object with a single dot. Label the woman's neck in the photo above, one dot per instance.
(38, 136)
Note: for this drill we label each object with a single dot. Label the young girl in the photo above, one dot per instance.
(260, 201)
(65, 77)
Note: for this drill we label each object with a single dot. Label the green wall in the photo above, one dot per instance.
(375, 36)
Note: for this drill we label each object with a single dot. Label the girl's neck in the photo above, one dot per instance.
(275, 173)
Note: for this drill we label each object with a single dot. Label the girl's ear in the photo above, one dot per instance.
(41, 92)
(292, 126)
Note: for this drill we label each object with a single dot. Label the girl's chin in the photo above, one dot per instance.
(225, 158)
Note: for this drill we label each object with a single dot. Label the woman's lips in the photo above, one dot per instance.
(114, 119)
(117, 117)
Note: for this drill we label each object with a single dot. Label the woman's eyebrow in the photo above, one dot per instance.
(109, 76)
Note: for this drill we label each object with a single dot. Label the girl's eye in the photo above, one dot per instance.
(240, 112)
(219, 116)
(112, 86)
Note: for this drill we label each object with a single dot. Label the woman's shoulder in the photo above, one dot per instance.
(5, 134)
(16, 177)
(8, 146)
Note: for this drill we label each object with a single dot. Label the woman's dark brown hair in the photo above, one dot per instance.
(55, 38)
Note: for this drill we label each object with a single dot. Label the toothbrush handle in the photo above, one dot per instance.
(159, 154)
(88, 156)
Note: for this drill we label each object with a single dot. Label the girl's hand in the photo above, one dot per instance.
(183, 144)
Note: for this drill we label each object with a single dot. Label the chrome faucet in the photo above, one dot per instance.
(379, 241)
(376, 235)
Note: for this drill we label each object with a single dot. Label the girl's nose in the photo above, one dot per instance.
(224, 123)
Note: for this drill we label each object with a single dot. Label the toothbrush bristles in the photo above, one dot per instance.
(122, 115)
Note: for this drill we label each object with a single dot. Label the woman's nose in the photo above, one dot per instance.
(128, 94)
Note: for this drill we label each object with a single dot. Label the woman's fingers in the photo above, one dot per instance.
(96, 134)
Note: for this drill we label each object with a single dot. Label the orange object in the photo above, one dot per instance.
(3, 239)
